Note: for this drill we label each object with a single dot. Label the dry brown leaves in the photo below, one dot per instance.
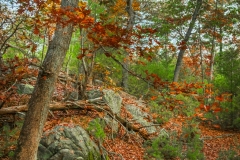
(124, 149)
(216, 141)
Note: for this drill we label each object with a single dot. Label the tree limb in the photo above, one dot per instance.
(79, 105)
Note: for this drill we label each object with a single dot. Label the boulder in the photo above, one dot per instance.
(24, 88)
(113, 100)
(67, 143)
(93, 94)
(139, 116)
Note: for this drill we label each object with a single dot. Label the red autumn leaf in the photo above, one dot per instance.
(36, 30)
(2, 97)
(149, 58)
(206, 108)
(182, 45)
(3, 82)
(215, 105)
(80, 56)
(198, 109)
(107, 54)
(219, 98)
(217, 109)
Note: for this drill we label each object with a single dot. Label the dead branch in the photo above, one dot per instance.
(78, 105)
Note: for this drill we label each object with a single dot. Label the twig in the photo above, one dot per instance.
(112, 152)
(11, 86)
(150, 126)
(4, 101)
(94, 100)
(112, 117)
(52, 114)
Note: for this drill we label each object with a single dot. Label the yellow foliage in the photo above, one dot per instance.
(120, 5)
(81, 4)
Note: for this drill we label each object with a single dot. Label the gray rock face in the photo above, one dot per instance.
(92, 94)
(24, 88)
(73, 96)
(66, 143)
(113, 99)
(140, 117)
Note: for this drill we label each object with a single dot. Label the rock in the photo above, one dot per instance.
(140, 117)
(73, 96)
(24, 88)
(98, 82)
(66, 143)
(113, 99)
(93, 94)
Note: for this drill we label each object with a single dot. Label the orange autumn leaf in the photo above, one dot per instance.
(216, 126)
(101, 114)
(153, 98)
(20, 69)
(154, 115)
(89, 55)
(201, 106)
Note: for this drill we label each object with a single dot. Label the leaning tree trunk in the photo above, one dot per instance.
(131, 21)
(39, 102)
(183, 47)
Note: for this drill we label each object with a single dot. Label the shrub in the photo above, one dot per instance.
(168, 145)
(10, 136)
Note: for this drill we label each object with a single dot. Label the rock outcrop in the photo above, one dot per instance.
(66, 143)
(73, 143)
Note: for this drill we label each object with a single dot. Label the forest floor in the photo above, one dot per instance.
(215, 140)
(130, 148)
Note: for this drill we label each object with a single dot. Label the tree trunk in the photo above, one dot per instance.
(213, 48)
(183, 48)
(212, 56)
(131, 21)
(39, 102)
(200, 52)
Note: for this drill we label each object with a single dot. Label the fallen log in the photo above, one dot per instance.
(52, 107)
(79, 105)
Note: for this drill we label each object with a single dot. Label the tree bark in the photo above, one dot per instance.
(212, 56)
(39, 102)
(182, 49)
(131, 21)
(53, 107)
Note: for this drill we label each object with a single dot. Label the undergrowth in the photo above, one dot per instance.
(171, 144)
(10, 136)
